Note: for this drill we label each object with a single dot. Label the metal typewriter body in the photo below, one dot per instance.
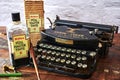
(71, 48)
(68, 51)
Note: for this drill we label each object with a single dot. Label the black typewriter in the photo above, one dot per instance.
(69, 48)
(69, 51)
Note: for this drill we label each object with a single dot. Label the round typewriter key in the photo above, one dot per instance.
(78, 51)
(43, 56)
(58, 48)
(39, 50)
(78, 58)
(79, 65)
(73, 51)
(84, 52)
(38, 57)
(63, 49)
(48, 57)
(48, 52)
(68, 62)
(49, 46)
(63, 54)
(84, 58)
(67, 55)
(57, 60)
(84, 66)
(62, 60)
(41, 44)
(44, 51)
(53, 53)
(54, 47)
(53, 58)
(45, 45)
(73, 62)
(73, 56)
(92, 54)
(58, 53)
(69, 50)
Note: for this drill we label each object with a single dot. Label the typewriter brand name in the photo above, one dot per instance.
(71, 35)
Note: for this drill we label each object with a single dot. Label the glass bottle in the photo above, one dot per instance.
(18, 42)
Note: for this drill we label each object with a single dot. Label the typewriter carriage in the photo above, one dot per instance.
(104, 33)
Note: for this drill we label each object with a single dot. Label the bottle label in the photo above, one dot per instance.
(34, 23)
(20, 46)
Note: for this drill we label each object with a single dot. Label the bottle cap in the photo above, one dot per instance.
(16, 16)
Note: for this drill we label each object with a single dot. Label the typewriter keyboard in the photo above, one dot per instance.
(65, 60)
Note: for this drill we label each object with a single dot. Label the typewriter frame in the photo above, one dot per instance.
(49, 38)
(104, 34)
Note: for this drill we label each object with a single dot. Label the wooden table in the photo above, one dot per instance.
(108, 68)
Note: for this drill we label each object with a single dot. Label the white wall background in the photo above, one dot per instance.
(95, 11)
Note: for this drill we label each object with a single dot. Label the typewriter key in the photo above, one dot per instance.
(45, 45)
(73, 56)
(84, 58)
(78, 58)
(84, 66)
(57, 60)
(39, 50)
(41, 44)
(62, 60)
(53, 58)
(69, 50)
(79, 65)
(67, 55)
(84, 52)
(58, 48)
(44, 51)
(73, 51)
(73, 62)
(43, 56)
(63, 49)
(54, 47)
(68, 62)
(78, 51)
(48, 57)
(63, 54)
(38, 57)
(49, 46)
(53, 53)
(92, 54)
(58, 53)
(48, 52)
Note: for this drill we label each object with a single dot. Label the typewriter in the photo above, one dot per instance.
(71, 48)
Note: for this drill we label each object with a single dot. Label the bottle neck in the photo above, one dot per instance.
(16, 22)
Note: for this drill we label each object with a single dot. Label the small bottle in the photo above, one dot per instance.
(18, 42)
